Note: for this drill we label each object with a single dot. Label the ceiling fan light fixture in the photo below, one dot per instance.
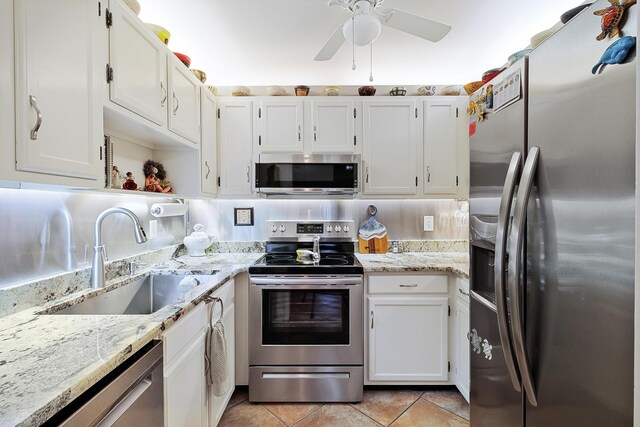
(367, 30)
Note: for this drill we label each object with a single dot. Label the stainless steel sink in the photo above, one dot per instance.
(144, 296)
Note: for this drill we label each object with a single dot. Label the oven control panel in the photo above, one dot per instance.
(306, 230)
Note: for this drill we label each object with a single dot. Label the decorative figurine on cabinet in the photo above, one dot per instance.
(613, 17)
(155, 177)
(130, 184)
(117, 179)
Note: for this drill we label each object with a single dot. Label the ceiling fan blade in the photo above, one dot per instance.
(331, 46)
(414, 24)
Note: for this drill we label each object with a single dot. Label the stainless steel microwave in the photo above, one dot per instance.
(304, 175)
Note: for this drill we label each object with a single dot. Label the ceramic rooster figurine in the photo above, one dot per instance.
(611, 17)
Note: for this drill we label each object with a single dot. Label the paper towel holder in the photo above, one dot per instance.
(161, 210)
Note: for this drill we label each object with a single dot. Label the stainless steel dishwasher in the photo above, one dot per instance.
(133, 395)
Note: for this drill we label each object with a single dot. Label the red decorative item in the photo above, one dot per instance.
(489, 75)
(184, 58)
(130, 184)
(472, 128)
(612, 16)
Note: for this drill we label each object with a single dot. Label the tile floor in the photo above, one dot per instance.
(402, 408)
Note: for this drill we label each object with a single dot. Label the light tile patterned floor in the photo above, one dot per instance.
(401, 408)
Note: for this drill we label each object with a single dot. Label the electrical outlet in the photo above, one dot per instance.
(153, 228)
(428, 223)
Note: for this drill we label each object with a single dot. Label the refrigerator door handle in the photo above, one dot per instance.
(499, 266)
(515, 264)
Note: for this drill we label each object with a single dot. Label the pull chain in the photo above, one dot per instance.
(371, 65)
(353, 45)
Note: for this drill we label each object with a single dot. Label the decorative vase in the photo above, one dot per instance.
(198, 241)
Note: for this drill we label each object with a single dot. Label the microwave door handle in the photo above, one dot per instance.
(499, 271)
(515, 263)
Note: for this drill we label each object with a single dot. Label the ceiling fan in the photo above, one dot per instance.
(366, 22)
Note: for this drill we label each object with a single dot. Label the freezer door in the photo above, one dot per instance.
(580, 240)
(494, 401)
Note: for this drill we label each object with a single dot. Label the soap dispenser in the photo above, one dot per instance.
(198, 241)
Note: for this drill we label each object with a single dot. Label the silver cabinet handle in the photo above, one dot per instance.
(315, 134)
(206, 163)
(499, 270)
(371, 319)
(299, 133)
(34, 131)
(175, 110)
(413, 285)
(428, 173)
(515, 263)
(248, 170)
(366, 171)
(463, 292)
(164, 94)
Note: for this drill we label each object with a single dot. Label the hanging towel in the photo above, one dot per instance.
(217, 365)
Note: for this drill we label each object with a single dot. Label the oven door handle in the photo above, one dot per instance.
(298, 283)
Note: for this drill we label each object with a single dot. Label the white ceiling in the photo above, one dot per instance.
(260, 42)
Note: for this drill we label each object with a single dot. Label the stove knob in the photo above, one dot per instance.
(274, 228)
(338, 228)
(329, 229)
(346, 228)
(283, 228)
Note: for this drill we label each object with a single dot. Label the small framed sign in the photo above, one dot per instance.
(243, 216)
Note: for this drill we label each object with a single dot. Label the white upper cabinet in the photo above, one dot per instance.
(332, 126)
(235, 135)
(183, 100)
(390, 147)
(208, 142)
(57, 89)
(139, 63)
(280, 126)
(440, 140)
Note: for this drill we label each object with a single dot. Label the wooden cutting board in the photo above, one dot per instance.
(372, 236)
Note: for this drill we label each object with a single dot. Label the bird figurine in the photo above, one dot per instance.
(616, 52)
(611, 17)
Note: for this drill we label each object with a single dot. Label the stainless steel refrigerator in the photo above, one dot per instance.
(552, 207)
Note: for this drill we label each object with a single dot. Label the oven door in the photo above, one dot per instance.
(305, 320)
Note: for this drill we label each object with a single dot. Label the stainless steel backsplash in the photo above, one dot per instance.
(44, 233)
(50, 232)
(404, 219)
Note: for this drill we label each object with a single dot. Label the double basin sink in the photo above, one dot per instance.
(144, 296)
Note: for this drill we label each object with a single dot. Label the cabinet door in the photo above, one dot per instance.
(462, 348)
(138, 59)
(235, 133)
(332, 124)
(217, 404)
(208, 142)
(184, 100)
(440, 139)
(280, 126)
(58, 104)
(390, 147)
(185, 388)
(408, 339)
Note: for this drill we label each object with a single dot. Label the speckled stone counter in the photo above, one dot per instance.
(427, 262)
(46, 361)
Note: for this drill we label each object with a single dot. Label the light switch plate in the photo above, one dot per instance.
(153, 228)
(428, 223)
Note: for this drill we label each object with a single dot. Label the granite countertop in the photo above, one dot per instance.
(46, 361)
(427, 262)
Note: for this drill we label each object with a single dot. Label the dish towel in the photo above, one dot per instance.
(217, 366)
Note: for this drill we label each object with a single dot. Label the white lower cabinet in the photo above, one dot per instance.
(407, 320)
(217, 404)
(185, 386)
(462, 367)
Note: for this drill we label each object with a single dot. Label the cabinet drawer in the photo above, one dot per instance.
(183, 332)
(428, 284)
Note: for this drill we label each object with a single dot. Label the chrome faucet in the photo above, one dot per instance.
(316, 247)
(99, 251)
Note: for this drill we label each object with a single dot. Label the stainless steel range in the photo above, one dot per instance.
(305, 315)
